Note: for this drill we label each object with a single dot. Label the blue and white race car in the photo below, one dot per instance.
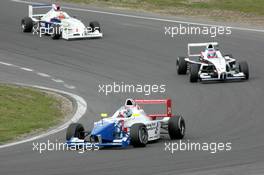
(129, 125)
(58, 24)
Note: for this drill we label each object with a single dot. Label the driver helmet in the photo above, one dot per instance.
(211, 54)
(56, 7)
(61, 15)
(125, 113)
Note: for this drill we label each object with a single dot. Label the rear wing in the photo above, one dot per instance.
(192, 45)
(167, 102)
(37, 6)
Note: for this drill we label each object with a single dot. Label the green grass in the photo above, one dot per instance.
(25, 110)
(245, 6)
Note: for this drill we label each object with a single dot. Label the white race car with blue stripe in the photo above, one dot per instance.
(58, 24)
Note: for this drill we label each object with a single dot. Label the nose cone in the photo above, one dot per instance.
(105, 130)
(74, 24)
(220, 64)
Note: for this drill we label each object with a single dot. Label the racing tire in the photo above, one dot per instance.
(75, 130)
(56, 32)
(139, 135)
(176, 127)
(194, 72)
(181, 65)
(27, 24)
(243, 67)
(95, 26)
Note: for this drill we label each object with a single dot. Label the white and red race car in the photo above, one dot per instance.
(210, 64)
(58, 24)
(129, 125)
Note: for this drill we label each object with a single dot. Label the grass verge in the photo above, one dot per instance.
(245, 6)
(246, 11)
(24, 110)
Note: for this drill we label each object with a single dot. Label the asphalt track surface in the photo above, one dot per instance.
(137, 51)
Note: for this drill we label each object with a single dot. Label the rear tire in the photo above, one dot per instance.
(75, 130)
(194, 70)
(176, 127)
(27, 24)
(139, 135)
(181, 65)
(243, 67)
(95, 26)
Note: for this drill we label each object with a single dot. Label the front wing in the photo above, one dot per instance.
(236, 76)
(95, 34)
(223, 76)
(75, 142)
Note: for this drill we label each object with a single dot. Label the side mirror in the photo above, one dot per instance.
(104, 115)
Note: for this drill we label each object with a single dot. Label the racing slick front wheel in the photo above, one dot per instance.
(56, 31)
(181, 65)
(176, 127)
(75, 130)
(95, 26)
(139, 135)
(27, 24)
(194, 72)
(243, 67)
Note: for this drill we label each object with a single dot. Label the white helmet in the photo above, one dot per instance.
(56, 7)
(125, 113)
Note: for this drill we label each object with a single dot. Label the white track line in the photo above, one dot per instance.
(40, 74)
(26, 69)
(69, 86)
(6, 64)
(80, 111)
(43, 74)
(146, 18)
(57, 80)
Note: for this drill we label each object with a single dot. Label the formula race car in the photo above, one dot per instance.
(210, 64)
(58, 24)
(129, 125)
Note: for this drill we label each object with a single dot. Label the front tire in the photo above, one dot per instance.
(27, 24)
(139, 135)
(181, 65)
(243, 67)
(194, 72)
(95, 26)
(75, 130)
(176, 127)
(56, 32)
